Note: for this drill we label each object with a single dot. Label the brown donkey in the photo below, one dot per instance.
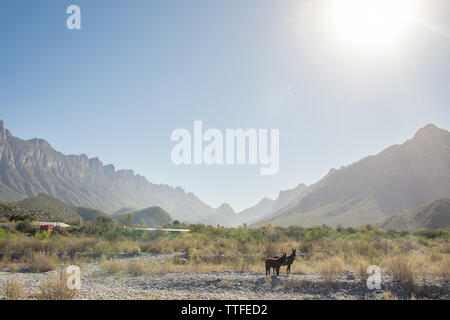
(289, 260)
(275, 263)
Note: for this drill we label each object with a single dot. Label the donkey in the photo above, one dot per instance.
(275, 263)
(289, 260)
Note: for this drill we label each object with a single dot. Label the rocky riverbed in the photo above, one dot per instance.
(96, 284)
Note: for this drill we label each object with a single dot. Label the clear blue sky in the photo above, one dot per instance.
(139, 69)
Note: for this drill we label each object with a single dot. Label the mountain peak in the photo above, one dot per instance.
(41, 143)
(225, 208)
(266, 200)
(430, 130)
(3, 130)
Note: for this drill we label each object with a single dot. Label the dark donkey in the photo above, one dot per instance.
(275, 263)
(288, 261)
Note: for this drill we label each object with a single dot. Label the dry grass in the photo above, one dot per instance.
(14, 290)
(138, 266)
(444, 269)
(388, 295)
(42, 262)
(331, 268)
(402, 270)
(361, 268)
(55, 288)
(10, 264)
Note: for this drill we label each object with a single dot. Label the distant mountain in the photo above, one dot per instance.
(258, 211)
(123, 211)
(431, 215)
(149, 217)
(266, 209)
(28, 168)
(225, 216)
(226, 210)
(376, 187)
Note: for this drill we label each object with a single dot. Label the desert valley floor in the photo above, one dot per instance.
(98, 284)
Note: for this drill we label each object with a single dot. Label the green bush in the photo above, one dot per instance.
(43, 235)
(25, 227)
(3, 234)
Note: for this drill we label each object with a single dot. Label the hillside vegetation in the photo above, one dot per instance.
(149, 217)
(431, 215)
(45, 207)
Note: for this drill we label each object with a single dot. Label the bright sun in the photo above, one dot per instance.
(372, 23)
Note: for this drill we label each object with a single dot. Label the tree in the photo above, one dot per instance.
(25, 227)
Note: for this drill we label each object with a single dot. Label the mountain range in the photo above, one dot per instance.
(367, 191)
(376, 187)
(31, 167)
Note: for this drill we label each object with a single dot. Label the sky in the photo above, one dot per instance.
(138, 69)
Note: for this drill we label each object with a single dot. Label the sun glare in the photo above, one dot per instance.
(372, 23)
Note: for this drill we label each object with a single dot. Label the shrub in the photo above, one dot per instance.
(331, 268)
(113, 266)
(55, 288)
(138, 266)
(3, 234)
(444, 266)
(13, 290)
(362, 265)
(25, 227)
(402, 271)
(42, 262)
(43, 235)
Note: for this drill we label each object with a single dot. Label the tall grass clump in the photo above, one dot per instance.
(14, 290)
(55, 288)
(42, 262)
(402, 270)
(331, 268)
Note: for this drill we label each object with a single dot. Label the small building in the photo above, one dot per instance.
(46, 227)
(50, 226)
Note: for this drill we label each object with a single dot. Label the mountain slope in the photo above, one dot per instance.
(431, 215)
(30, 167)
(150, 217)
(258, 211)
(16, 213)
(376, 187)
(57, 209)
(267, 209)
(225, 216)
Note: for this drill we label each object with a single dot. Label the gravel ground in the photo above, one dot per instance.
(225, 285)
